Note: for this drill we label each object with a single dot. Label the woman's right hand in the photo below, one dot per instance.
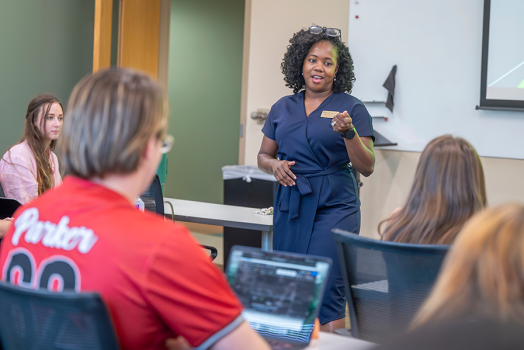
(282, 173)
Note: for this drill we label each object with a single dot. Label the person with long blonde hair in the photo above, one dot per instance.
(30, 168)
(483, 275)
(448, 189)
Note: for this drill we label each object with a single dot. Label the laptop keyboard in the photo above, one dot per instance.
(280, 345)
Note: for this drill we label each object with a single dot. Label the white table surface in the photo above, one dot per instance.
(218, 214)
(222, 215)
(330, 341)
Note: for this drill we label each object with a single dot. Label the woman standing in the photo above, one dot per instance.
(316, 133)
(30, 168)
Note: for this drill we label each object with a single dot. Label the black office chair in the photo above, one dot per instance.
(45, 320)
(385, 282)
(154, 201)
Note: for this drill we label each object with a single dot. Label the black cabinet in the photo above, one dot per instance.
(253, 193)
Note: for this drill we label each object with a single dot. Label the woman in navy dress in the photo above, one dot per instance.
(309, 140)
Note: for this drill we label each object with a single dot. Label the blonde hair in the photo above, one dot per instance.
(111, 115)
(448, 189)
(483, 274)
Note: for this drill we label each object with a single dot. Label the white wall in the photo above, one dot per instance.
(437, 46)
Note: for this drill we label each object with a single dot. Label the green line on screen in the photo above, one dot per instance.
(521, 85)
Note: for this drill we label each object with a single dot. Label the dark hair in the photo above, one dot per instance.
(297, 51)
(448, 189)
(40, 105)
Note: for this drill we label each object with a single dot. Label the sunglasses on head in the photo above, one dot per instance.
(333, 32)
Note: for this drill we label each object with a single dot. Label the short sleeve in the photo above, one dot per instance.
(190, 294)
(362, 121)
(270, 126)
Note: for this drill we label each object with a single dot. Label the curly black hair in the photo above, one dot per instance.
(297, 51)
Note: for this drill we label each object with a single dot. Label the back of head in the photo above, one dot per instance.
(447, 190)
(483, 275)
(111, 115)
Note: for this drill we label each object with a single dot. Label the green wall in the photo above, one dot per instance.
(45, 46)
(205, 74)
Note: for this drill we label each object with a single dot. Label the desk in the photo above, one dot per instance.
(329, 341)
(222, 215)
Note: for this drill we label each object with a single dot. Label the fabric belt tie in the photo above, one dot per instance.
(291, 199)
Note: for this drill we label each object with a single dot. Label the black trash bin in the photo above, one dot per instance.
(246, 186)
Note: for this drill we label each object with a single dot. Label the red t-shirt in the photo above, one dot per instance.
(155, 279)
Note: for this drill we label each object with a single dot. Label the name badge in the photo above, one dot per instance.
(328, 114)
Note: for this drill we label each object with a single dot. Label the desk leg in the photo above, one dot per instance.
(267, 240)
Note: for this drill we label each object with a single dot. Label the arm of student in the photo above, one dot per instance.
(190, 294)
(4, 226)
(20, 180)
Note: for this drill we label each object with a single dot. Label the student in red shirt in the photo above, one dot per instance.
(86, 235)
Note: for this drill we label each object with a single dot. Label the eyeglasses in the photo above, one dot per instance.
(333, 32)
(167, 143)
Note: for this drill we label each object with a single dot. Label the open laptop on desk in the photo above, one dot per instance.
(281, 292)
(8, 207)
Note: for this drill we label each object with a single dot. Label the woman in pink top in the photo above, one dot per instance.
(30, 168)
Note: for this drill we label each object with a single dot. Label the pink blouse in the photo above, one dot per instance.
(18, 173)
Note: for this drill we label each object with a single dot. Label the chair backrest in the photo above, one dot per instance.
(2, 194)
(44, 320)
(153, 197)
(385, 282)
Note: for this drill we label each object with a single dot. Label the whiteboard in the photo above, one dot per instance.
(437, 48)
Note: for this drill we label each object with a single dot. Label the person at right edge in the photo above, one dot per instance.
(309, 140)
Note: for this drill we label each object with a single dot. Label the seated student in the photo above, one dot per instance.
(448, 189)
(483, 275)
(4, 226)
(30, 168)
(153, 276)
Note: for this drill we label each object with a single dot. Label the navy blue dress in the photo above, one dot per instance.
(325, 195)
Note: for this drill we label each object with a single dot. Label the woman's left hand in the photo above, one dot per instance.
(343, 122)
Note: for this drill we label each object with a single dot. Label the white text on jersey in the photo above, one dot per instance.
(53, 236)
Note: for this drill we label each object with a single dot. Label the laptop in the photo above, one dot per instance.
(8, 207)
(281, 293)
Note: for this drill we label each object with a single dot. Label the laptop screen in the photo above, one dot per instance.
(281, 292)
